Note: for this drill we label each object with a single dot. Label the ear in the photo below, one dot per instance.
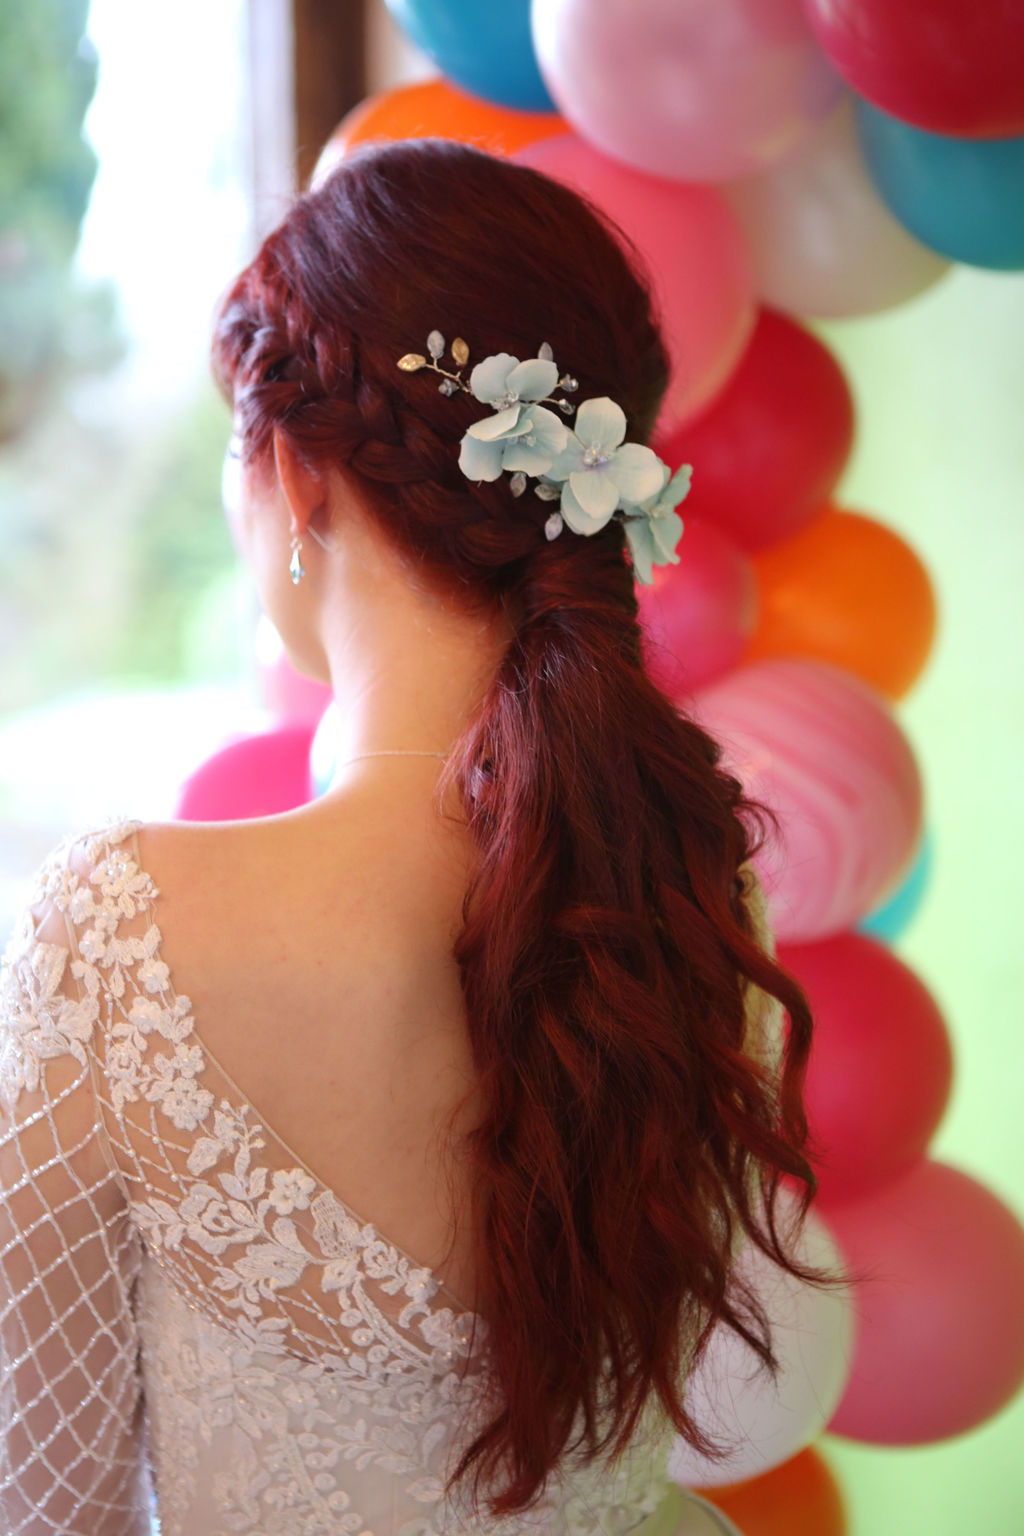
(304, 489)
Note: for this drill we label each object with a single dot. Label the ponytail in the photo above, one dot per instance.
(632, 1129)
(606, 954)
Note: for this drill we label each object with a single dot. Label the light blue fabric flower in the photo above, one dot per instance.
(519, 436)
(502, 381)
(653, 527)
(599, 471)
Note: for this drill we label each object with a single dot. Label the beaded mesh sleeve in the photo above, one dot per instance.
(189, 1321)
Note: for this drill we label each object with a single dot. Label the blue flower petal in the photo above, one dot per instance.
(576, 516)
(532, 380)
(637, 471)
(596, 491)
(531, 458)
(641, 547)
(666, 531)
(601, 424)
(570, 458)
(507, 423)
(487, 381)
(479, 460)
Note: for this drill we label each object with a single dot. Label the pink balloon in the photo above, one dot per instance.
(734, 1399)
(821, 239)
(701, 90)
(698, 614)
(823, 751)
(288, 694)
(881, 1069)
(260, 775)
(940, 1315)
(697, 258)
(291, 696)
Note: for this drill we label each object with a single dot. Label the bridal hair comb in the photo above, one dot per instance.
(587, 468)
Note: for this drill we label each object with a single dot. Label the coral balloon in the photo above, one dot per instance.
(769, 451)
(962, 197)
(881, 1070)
(435, 109)
(940, 1319)
(824, 752)
(698, 615)
(727, 86)
(823, 241)
(486, 49)
(849, 591)
(800, 1498)
(891, 920)
(697, 258)
(952, 66)
(733, 1398)
(260, 775)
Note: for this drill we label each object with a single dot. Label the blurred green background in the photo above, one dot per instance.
(939, 456)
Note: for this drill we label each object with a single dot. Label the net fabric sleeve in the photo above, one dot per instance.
(71, 1455)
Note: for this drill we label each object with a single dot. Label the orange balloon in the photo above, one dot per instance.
(798, 1498)
(847, 590)
(436, 109)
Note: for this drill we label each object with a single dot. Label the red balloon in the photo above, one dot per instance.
(951, 66)
(769, 451)
(261, 775)
(939, 1343)
(698, 615)
(881, 1068)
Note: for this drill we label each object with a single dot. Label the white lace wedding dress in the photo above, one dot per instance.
(189, 1320)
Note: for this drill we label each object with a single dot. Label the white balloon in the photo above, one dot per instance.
(734, 1399)
(823, 243)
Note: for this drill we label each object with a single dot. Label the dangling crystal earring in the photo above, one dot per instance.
(296, 569)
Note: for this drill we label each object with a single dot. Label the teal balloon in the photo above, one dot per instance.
(482, 45)
(891, 921)
(962, 197)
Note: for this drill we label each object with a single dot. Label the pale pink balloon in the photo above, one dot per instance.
(288, 694)
(732, 1397)
(698, 615)
(940, 1312)
(824, 751)
(699, 90)
(823, 242)
(695, 253)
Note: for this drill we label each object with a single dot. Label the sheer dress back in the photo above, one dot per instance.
(188, 1316)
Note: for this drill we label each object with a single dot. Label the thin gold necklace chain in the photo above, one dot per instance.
(390, 752)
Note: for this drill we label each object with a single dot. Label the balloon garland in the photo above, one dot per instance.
(778, 161)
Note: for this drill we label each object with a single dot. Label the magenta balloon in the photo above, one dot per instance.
(939, 1344)
(881, 1068)
(697, 257)
(698, 615)
(950, 66)
(260, 775)
(699, 90)
(823, 751)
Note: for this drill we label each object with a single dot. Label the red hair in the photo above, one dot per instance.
(627, 1139)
